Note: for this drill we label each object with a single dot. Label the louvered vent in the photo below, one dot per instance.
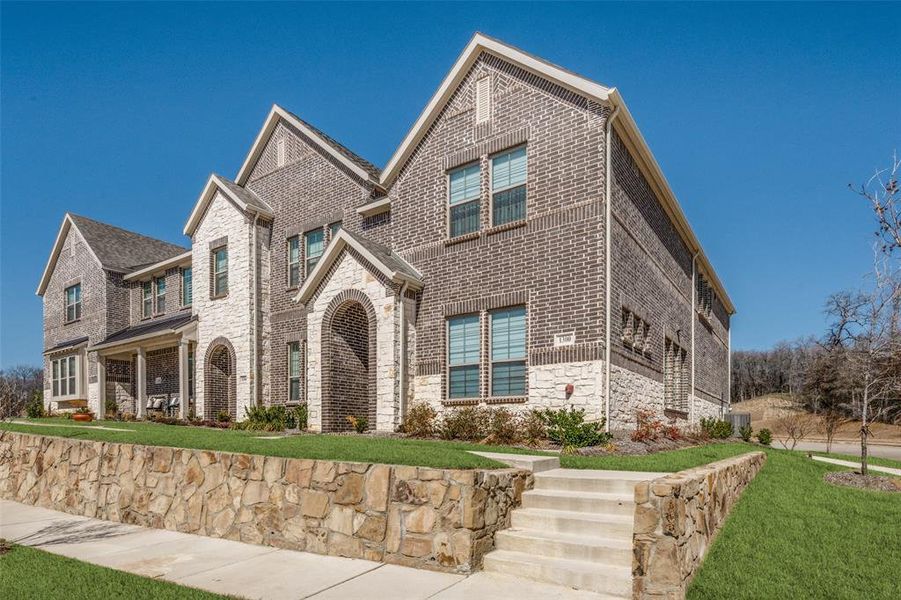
(280, 152)
(483, 99)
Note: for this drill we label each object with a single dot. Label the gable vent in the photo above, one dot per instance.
(483, 99)
(280, 152)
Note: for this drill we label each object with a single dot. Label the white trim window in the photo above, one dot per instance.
(220, 271)
(333, 230)
(508, 352)
(314, 246)
(463, 356)
(463, 200)
(65, 376)
(509, 172)
(160, 285)
(73, 302)
(147, 299)
(294, 261)
(187, 286)
(295, 389)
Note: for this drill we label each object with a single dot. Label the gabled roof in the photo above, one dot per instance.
(382, 258)
(361, 167)
(245, 199)
(114, 248)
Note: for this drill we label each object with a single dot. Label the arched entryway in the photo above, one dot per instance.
(348, 361)
(219, 380)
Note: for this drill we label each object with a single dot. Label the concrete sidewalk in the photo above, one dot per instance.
(856, 465)
(250, 571)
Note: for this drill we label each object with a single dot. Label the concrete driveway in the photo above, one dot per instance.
(251, 571)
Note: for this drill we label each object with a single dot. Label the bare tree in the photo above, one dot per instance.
(796, 426)
(18, 385)
(830, 422)
(883, 193)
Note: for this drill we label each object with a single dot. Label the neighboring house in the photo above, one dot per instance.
(483, 265)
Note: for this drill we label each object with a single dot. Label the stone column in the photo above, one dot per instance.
(101, 387)
(184, 391)
(141, 384)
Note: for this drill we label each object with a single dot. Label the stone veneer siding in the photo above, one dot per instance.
(437, 519)
(677, 518)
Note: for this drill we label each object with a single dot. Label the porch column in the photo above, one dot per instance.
(101, 386)
(184, 391)
(141, 384)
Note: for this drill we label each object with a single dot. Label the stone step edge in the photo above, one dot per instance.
(597, 517)
(623, 497)
(596, 541)
(620, 576)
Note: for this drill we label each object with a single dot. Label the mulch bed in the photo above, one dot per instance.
(622, 444)
(864, 482)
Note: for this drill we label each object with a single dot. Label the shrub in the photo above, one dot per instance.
(35, 408)
(745, 431)
(503, 427)
(765, 437)
(83, 410)
(534, 431)
(648, 428)
(716, 428)
(264, 418)
(223, 416)
(420, 420)
(167, 420)
(568, 428)
(302, 413)
(469, 424)
(111, 407)
(358, 423)
(290, 419)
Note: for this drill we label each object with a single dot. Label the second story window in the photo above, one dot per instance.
(147, 299)
(333, 230)
(464, 355)
(508, 186)
(294, 261)
(220, 271)
(160, 283)
(314, 244)
(73, 302)
(463, 200)
(187, 287)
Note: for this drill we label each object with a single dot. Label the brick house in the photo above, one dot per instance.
(521, 248)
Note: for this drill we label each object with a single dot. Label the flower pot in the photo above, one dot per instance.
(83, 417)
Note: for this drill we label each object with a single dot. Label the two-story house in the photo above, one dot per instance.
(521, 248)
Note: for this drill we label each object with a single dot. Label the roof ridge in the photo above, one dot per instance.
(129, 231)
(362, 162)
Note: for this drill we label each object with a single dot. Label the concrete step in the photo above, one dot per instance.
(529, 462)
(590, 502)
(588, 480)
(568, 522)
(613, 550)
(615, 581)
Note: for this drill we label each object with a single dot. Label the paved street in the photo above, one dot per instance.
(248, 570)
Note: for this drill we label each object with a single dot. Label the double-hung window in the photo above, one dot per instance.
(314, 244)
(73, 302)
(147, 299)
(160, 295)
(220, 271)
(508, 186)
(294, 261)
(187, 289)
(508, 352)
(464, 200)
(65, 372)
(294, 358)
(464, 355)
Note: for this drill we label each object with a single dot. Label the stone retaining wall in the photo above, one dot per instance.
(676, 519)
(438, 519)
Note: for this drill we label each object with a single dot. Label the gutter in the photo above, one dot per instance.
(608, 270)
(253, 321)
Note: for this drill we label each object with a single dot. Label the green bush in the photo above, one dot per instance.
(469, 424)
(745, 431)
(420, 421)
(534, 431)
(358, 423)
(503, 427)
(111, 407)
(765, 437)
(223, 416)
(290, 419)
(568, 428)
(716, 428)
(302, 414)
(265, 418)
(35, 408)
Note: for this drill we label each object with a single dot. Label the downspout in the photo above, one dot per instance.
(403, 351)
(253, 320)
(691, 312)
(729, 372)
(608, 216)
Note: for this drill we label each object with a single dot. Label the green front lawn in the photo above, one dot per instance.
(29, 573)
(425, 453)
(662, 462)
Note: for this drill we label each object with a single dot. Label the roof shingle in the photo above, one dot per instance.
(121, 250)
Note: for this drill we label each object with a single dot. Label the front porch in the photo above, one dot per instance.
(147, 369)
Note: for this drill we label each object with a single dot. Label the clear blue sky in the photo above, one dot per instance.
(760, 115)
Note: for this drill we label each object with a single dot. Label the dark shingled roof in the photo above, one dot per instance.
(121, 250)
(67, 344)
(157, 326)
(350, 154)
(386, 256)
(244, 194)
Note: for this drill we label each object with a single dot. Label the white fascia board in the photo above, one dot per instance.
(212, 185)
(469, 55)
(277, 113)
(163, 265)
(375, 208)
(64, 228)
